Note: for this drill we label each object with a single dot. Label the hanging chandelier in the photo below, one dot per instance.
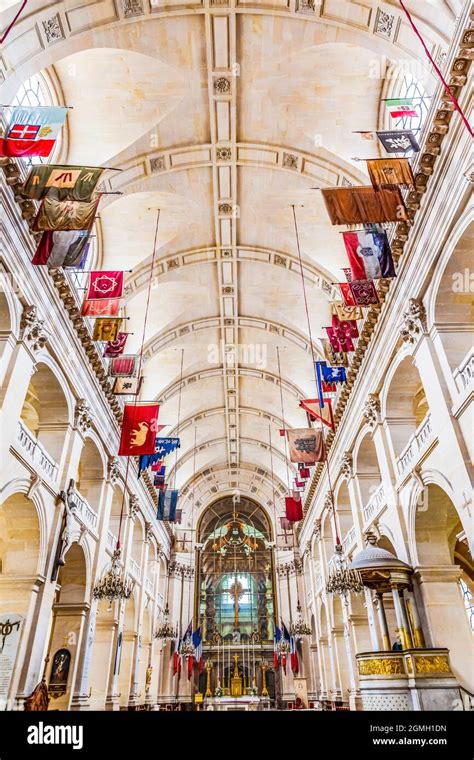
(343, 580)
(165, 630)
(300, 627)
(113, 585)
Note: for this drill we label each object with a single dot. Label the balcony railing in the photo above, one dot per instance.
(149, 585)
(84, 511)
(374, 505)
(464, 374)
(349, 540)
(415, 445)
(33, 448)
(111, 540)
(134, 569)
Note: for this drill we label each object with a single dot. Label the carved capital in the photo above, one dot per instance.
(34, 333)
(317, 530)
(372, 410)
(133, 506)
(329, 501)
(346, 464)
(414, 321)
(82, 415)
(148, 532)
(113, 469)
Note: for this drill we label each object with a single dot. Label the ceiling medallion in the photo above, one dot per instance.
(113, 585)
(223, 154)
(225, 209)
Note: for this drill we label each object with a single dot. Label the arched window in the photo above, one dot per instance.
(409, 87)
(36, 91)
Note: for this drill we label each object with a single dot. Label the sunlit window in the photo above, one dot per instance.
(468, 602)
(35, 92)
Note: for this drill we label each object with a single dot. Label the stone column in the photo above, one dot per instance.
(383, 622)
(402, 621)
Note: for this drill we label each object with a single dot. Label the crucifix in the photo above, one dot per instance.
(236, 591)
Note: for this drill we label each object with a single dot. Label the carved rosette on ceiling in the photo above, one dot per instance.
(82, 415)
(346, 464)
(414, 322)
(222, 85)
(34, 333)
(113, 469)
(372, 410)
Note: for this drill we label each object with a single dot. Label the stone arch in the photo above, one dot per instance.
(405, 404)
(47, 409)
(20, 542)
(343, 509)
(91, 469)
(443, 557)
(452, 301)
(129, 642)
(366, 467)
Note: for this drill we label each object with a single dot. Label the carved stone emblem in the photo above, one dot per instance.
(34, 333)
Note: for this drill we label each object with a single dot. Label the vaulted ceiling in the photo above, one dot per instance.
(223, 115)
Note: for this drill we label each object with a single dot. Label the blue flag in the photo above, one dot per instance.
(163, 446)
(333, 374)
(319, 383)
(167, 501)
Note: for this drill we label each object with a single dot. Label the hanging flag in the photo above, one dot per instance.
(276, 641)
(286, 637)
(293, 656)
(164, 446)
(300, 485)
(106, 328)
(398, 140)
(286, 525)
(167, 501)
(347, 273)
(138, 429)
(101, 308)
(369, 255)
(304, 472)
(123, 366)
(294, 508)
(346, 293)
(390, 172)
(334, 358)
(176, 654)
(32, 131)
(159, 480)
(65, 183)
(306, 445)
(318, 411)
(285, 541)
(62, 249)
(346, 312)
(345, 329)
(333, 374)
(107, 284)
(116, 347)
(197, 644)
(364, 292)
(363, 205)
(127, 386)
(156, 467)
(400, 107)
(339, 341)
(65, 215)
(179, 516)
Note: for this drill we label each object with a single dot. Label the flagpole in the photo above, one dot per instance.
(338, 540)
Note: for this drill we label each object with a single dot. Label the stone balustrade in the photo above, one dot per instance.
(416, 444)
(30, 446)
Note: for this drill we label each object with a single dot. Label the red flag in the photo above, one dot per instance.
(116, 347)
(138, 429)
(346, 293)
(364, 292)
(283, 663)
(190, 666)
(108, 284)
(32, 131)
(158, 465)
(339, 341)
(101, 308)
(304, 472)
(346, 328)
(275, 661)
(123, 366)
(313, 407)
(293, 508)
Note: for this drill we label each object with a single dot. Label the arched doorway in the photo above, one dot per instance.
(444, 560)
(406, 406)
(69, 615)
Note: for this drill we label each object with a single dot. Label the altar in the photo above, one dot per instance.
(237, 704)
